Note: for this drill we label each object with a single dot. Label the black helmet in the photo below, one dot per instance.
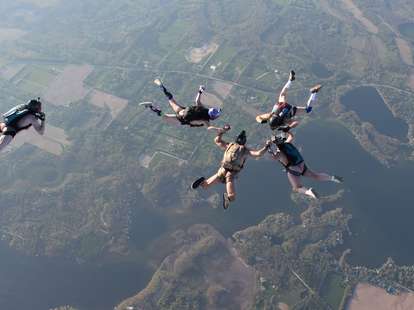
(34, 105)
(241, 138)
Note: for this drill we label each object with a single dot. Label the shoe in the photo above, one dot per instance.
(315, 88)
(197, 182)
(337, 179)
(202, 88)
(146, 104)
(150, 106)
(158, 82)
(292, 76)
(312, 193)
(226, 201)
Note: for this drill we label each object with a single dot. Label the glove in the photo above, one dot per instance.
(41, 116)
(308, 109)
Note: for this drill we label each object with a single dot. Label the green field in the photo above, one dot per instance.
(35, 79)
(333, 290)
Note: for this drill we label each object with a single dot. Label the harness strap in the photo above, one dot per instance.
(294, 172)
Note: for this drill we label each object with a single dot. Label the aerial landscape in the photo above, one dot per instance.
(98, 212)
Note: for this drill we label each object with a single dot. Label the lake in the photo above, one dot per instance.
(407, 30)
(41, 283)
(378, 198)
(370, 107)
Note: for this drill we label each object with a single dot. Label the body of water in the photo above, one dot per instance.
(407, 30)
(370, 107)
(39, 283)
(378, 198)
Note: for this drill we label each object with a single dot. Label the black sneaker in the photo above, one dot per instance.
(226, 201)
(150, 106)
(315, 88)
(197, 182)
(292, 76)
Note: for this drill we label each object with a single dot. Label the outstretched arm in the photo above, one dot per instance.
(263, 118)
(259, 153)
(220, 142)
(39, 126)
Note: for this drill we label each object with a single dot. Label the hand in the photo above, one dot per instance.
(41, 116)
(201, 89)
(226, 127)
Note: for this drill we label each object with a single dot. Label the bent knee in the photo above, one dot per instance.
(293, 123)
(232, 197)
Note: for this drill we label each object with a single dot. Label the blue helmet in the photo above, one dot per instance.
(214, 113)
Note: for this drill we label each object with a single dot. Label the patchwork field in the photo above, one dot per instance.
(359, 15)
(405, 51)
(222, 89)
(11, 70)
(40, 3)
(53, 141)
(114, 103)
(211, 100)
(11, 34)
(33, 79)
(411, 80)
(68, 86)
(196, 55)
(367, 297)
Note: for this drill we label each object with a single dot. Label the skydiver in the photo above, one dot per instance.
(282, 115)
(289, 156)
(195, 116)
(235, 156)
(20, 118)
